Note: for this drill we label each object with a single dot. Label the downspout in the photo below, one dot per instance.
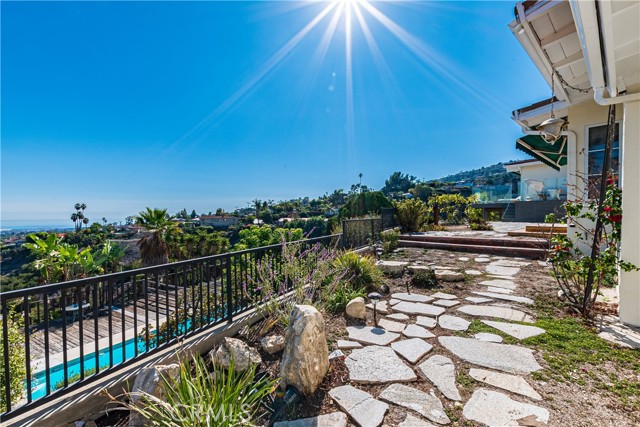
(598, 96)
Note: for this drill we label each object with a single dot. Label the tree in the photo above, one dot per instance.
(104, 221)
(365, 203)
(78, 217)
(398, 183)
(153, 245)
(193, 214)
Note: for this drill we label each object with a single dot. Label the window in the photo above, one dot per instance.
(597, 136)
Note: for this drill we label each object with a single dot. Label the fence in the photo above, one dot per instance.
(359, 232)
(77, 331)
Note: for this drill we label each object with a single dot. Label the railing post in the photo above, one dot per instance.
(373, 232)
(344, 234)
(229, 290)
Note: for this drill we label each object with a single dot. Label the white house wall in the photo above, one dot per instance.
(550, 177)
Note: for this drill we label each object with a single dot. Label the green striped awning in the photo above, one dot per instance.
(554, 155)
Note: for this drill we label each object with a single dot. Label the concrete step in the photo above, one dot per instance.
(541, 235)
(546, 228)
(478, 241)
(533, 253)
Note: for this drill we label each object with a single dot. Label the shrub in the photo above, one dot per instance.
(17, 360)
(358, 271)
(199, 398)
(369, 202)
(451, 207)
(424, 279)
(390, 240)
(476, 219)
(336, 300)
(411, 214)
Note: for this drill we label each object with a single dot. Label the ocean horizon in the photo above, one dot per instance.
(35, 225)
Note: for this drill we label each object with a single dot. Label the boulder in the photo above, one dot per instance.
(149, 381)
(356, 308)
(449, 276)
(305, 361)
(394, 268)
(272, 344)
(232, 348)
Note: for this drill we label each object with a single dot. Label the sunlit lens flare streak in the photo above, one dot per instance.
(218, 114)
(430, 58)
(349, 83)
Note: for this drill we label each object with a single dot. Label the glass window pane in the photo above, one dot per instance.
(597, 136)
(596, 160)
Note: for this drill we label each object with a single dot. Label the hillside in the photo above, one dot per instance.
(494, 174)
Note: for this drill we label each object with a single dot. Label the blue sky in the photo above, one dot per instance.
(123, 105)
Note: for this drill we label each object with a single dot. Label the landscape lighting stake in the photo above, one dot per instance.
(374, 297)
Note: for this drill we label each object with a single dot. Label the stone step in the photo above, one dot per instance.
(524, 252)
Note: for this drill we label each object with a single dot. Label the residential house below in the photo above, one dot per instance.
(218, 221)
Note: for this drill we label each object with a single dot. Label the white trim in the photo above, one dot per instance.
(606, 24)
(585, 17)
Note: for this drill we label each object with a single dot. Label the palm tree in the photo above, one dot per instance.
(153, 245)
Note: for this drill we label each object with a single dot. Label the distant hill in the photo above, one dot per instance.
(491, 175)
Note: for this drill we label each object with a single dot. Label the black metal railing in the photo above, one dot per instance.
(360, 232)
(75, 332)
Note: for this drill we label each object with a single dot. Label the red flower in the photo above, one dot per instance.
(607, 208)
(610, 181)
(615, 218)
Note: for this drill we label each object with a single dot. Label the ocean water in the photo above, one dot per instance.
(26, 226)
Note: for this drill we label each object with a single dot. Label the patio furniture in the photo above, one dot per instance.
(75, 310)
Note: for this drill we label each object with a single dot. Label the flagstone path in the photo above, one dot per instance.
(406, 351)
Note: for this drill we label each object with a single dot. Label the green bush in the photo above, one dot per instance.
(451, 207)
(335, 300)
(411, 214)
(424, 279)
(390, 240)
(198, 398)
(360, 272)
(369, 202)
(476, 219)
(17, 360)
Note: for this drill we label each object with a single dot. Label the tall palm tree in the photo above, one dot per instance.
(153, 245)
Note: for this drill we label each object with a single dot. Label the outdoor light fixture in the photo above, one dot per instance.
(379, 251)
(551, 129)
(375, 298)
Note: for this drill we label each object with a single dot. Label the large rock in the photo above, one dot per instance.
(356, 308)
(272, 344)
(305, 361)
(392, 267)
(423, 403)
(449, 276)
(508, 358)
(377, 365)
(232, 348)
(360, 405)
(150, 381)
(497, 409)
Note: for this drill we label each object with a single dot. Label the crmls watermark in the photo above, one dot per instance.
(228, 413)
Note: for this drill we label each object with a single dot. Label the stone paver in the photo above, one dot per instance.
(360, 405)
(377, 365)
(511, 263)
(397, 316)
(449, 276)
(393, 301)
(418, 308)
(415, 331)
(473, 272)
(515, 330)
(411, 421)
(442, 373)
(503, 357)
(348, 345)
(390, 325)
(446, 302)
(482, 259)
(371, 335)
(412, 349)
(500, 283)
(505, 313)
(392, 267)
(478, 300)
(426, 322)
(334, 419)
(382, 307)
(423, 403)
(463, 258)
(500, 270)
(442, 295)
(507, 382)
(504, 297)
(453, 323)
(499, 290)
(403, 296)
(485, 336)
(497, 409)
